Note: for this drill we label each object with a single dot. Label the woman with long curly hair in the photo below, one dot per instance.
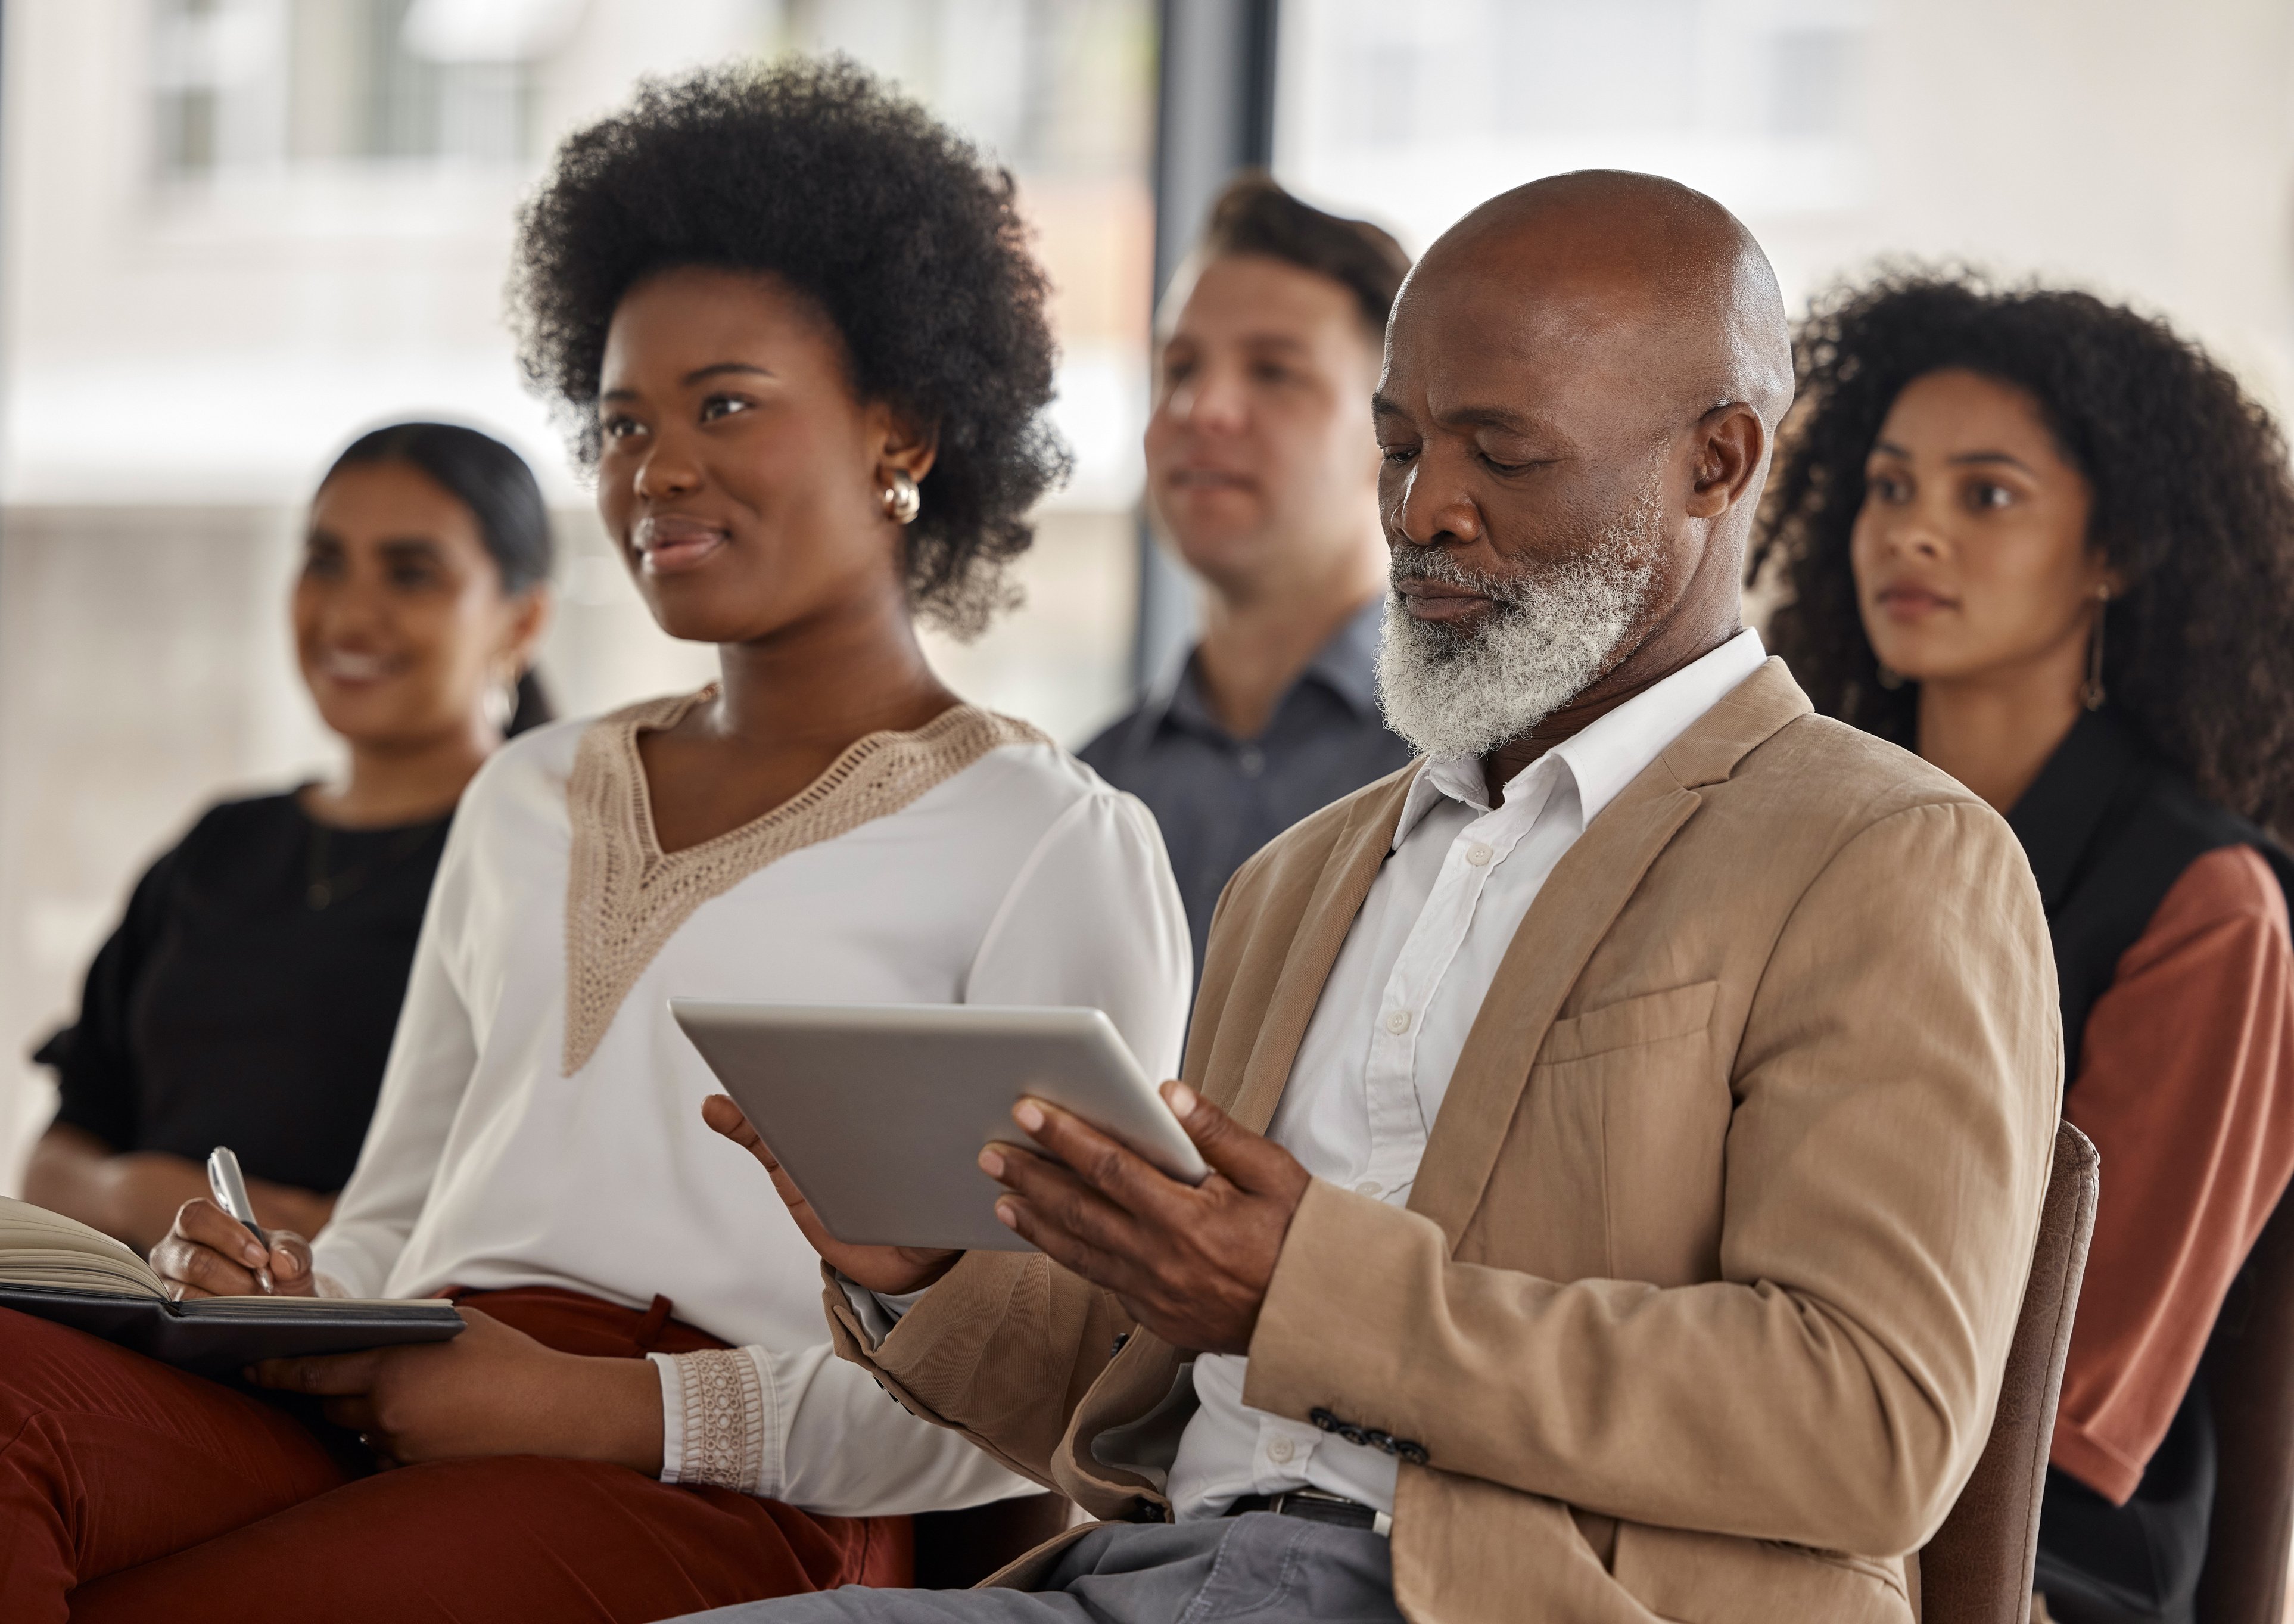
(2049, 544)
(800, 345)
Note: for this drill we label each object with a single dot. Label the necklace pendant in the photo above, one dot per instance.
(320, 894)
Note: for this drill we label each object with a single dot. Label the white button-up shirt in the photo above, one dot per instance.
(1377, 1059)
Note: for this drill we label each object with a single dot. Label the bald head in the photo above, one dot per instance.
(1583, 382)
(1642, 263)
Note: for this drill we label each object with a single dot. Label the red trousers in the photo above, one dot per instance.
(130, 1490)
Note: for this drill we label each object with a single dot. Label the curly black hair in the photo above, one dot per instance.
(814, 172)
(2192, 504)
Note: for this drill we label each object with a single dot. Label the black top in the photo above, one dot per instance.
(2109, 828)
(248, 997)
(1219, 798)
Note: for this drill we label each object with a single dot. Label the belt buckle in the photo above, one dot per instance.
(1381, 1523)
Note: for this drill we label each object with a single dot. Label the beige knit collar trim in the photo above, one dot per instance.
(625, 897)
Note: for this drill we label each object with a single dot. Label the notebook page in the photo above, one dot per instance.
(38, 1247)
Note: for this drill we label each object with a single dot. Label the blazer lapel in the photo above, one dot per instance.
(1356, 857)
(1573, 910)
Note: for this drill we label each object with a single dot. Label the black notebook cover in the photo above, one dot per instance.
(215, 1336)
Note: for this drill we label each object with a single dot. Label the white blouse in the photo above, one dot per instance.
(540, 1117)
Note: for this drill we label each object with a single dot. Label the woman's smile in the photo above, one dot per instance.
(355, 667)
(670, 543)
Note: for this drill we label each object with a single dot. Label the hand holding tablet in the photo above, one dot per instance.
(877, 1113)
(892, 1271)
(1185, 1230)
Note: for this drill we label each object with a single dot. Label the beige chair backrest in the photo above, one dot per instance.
(1977, 1570)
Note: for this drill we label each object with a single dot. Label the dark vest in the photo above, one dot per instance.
(2109, 828)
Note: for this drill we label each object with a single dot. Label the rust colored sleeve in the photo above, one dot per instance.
(2187, 1087)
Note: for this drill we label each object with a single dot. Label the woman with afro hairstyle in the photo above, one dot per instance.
(2049, 545)
(796, 334)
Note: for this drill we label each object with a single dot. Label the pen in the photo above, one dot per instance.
(230, 1188)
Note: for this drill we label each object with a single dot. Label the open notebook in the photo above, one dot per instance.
(60, 1270)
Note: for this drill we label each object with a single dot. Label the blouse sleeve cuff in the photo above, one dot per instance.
(720, 1420)
(326, 1285)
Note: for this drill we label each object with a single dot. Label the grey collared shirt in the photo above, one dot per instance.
(1220, 798)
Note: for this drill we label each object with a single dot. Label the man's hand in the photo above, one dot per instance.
(1191, 1265)
(492, 1391)
(209, 1253)
(890, 1270)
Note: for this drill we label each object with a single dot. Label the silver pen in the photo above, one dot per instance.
(230, 1188)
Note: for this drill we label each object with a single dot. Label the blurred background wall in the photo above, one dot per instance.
(234, 232)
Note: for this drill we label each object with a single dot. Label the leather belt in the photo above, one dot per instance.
(1315, 1506)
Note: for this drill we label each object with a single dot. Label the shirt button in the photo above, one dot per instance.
(1252, 760)
(1398, 1021)
(1367, 1187)
(1280, 1449)
(1479, 855)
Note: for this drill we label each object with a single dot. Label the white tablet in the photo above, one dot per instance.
(878, 1111)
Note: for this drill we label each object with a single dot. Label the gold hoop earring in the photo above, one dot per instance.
(2091, 692)
(901, 499)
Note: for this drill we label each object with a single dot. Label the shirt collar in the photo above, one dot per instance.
(1346, 664)
(1605, 756)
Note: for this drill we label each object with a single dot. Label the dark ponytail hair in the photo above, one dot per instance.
(494, 483)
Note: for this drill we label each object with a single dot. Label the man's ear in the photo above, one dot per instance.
(908, 446)
(1729, 443)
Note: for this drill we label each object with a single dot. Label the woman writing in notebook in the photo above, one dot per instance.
(809, 356)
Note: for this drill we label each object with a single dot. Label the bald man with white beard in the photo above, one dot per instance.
(1630, 1121)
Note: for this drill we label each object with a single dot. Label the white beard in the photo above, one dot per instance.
(1552, 635)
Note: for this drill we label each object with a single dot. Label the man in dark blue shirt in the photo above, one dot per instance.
(1262, 474)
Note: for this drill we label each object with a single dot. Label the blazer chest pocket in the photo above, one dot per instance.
(1641, 1100)
(1631, 1023)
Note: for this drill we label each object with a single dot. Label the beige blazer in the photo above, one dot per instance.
(1700, 1305)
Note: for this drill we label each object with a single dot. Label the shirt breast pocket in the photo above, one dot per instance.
(1641, 1077)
